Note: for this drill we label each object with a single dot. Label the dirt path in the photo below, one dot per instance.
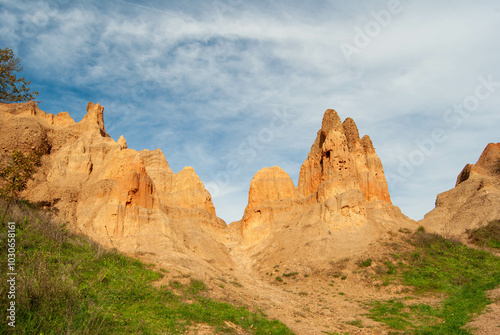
(316, 303)
(309, 305)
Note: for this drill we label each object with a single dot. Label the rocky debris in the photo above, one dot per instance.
(473, 203)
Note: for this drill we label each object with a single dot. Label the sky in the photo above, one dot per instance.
(232, 86)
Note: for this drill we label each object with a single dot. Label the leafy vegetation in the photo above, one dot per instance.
(364, 263)
(487, 236)
(67, 284)
(291, 274)
(441, 267)
(12, 88)
(14, 176)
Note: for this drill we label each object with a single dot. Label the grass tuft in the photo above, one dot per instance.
(364, 263)
(488, 236)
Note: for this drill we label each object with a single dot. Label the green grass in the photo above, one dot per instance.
(364, 263)
(67, 284)
(401, 316)
(356, 323)
(290, 274)
(441, 267)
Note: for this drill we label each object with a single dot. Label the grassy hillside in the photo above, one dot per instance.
(435, 266)
(67, 284)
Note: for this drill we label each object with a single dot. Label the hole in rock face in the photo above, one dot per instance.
(322, 138)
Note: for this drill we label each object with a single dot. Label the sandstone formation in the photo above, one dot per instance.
(339, 212)
(340, 161)
(475, 200)
(120, 197)
(133, 201)
(340, 206)
(271, 192)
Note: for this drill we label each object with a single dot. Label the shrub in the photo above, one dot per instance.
(14, 176)
(487, 236)
(12, 88)
(364, 263)
(290, 274)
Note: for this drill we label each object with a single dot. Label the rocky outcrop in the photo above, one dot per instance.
(340, 161)
(340, 206)
(182, 189)
(272, 192)
(120, 197)
(475, 200)
(133, 201)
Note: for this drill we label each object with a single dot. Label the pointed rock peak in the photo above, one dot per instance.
(33, 108)
(367, 143)
(490, 158)
(95, 115)
(465, 174)
(331, 120)
(122, 142)
(351, 132)
(189, 191)
(94, 107)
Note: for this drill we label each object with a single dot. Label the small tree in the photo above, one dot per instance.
(15, 175)
(13, 89)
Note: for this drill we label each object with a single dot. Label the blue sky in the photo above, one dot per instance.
(232, 86)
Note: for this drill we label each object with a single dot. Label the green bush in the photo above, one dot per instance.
(16, 173)
(364, 263)
(488, 236)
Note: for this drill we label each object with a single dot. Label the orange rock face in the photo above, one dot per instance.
(133, 201)
(270, 185)
(340, 161)
(271, 192)
(341, 174)
(120, 197)
(490, 159)
(473, 202)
